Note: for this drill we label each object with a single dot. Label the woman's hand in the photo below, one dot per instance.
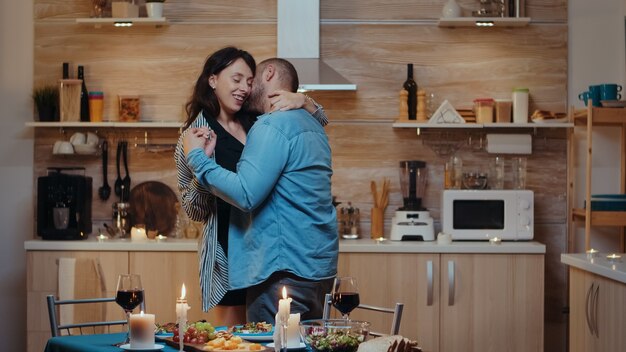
(201, 137)
(283, 100)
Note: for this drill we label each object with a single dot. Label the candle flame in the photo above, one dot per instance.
(183, 292)
(141, 313)
(284, 292)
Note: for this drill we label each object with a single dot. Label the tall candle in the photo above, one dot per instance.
(141, 330)
(181, 316)
(138, 234)
(284, 308)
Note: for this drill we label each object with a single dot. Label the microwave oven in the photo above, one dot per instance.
(484, 214)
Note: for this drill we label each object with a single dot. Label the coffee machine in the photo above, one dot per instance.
(64, 204)
(412, 222)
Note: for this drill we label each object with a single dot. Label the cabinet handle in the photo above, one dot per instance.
(429, 277)
(594, 316)
(450, 283)
(587, 307)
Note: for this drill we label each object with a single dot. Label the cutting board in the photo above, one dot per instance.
(153, 204)
(191, 347)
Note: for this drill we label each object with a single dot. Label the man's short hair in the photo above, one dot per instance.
(287, 74)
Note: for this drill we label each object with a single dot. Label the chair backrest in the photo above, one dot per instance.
(395, 321)
(55, 327)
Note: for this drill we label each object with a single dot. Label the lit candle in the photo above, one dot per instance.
(495, 240)
(592, 253)
(293, 333)
(284, 308)
(161, 238)
(102, 237)
(142, 330)
(138, 234)
(181, 316)
(614, 257)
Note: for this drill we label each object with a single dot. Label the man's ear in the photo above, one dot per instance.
(269, 72)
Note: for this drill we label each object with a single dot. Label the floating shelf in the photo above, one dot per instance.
(108, 124)
(484, 22)
(409, 124)
(124, 22)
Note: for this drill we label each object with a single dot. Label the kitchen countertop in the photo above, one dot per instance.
(598, 264)
(345, 246)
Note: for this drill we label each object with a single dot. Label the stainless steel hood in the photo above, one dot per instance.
(298, 33)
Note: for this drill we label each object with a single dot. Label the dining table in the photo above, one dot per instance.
(93, 343)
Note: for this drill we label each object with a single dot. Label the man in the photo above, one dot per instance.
(288, 237)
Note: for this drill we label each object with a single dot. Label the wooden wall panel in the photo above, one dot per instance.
(455, 64)
(538, 10)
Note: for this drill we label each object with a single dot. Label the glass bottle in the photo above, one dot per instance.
(84, 96)
(411, 87)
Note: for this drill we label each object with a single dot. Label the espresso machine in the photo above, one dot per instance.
(412, 222)
(64, 204)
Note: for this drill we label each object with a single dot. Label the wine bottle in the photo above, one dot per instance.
(411, 87)
(84, 97)
(66, 70)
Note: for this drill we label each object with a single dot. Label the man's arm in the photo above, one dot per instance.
(261, 164)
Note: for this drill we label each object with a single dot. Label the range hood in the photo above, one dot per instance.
(298, 33)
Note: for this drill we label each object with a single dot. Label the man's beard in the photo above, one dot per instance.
(255, 101)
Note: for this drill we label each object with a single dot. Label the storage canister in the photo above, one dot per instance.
(483, 108)
(520, 105)
(503, 110)
(96, 106)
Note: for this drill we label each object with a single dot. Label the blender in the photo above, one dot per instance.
(412, 222)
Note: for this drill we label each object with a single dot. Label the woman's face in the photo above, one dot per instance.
(232, 86)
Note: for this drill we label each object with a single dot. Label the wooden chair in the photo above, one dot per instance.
(395, 321)
(55, 327)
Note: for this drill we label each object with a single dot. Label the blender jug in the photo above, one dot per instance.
(413, 176)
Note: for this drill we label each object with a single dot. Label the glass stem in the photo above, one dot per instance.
(128, 326)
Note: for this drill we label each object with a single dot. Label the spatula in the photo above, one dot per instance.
(126, 181)
(105, 191)
(118, 182)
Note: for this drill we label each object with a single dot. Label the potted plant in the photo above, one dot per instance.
(154, 8)
(46, 100)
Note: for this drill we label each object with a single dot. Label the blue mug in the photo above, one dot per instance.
(584, 96)
(595, 95)
(609, 91)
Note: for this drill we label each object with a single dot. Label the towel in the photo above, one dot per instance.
(81, 278)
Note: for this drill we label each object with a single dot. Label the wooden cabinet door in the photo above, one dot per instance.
(162, 275)
(491, 302)
(610, 314)
(581, 298)
(385, 279)
(42, 280)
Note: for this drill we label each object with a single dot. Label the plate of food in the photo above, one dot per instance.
(254, 331)
(220, 342)
(542, 116)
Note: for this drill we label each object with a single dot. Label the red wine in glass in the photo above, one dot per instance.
(345, 302)
(129, 299)
(345, 295)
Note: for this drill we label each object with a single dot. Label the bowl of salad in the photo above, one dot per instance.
(333, 335)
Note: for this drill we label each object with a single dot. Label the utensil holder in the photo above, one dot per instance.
(377, 222)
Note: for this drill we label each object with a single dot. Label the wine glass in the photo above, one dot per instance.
(345, 295)
(129, 295)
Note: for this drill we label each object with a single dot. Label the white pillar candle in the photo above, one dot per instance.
(284, 308)
(142, 330)
(138, 234)
(293, 333)
(181, 315)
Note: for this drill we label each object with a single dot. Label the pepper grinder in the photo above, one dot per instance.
(421, 105)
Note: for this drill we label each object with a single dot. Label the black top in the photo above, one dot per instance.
(227, 154)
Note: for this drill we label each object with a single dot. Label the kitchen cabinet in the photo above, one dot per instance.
(42, 280)
(454, 302)
(594, 116)
(597, 313)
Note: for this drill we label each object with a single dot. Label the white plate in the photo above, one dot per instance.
(563, 119)
(302, 345)
(153, 348)
(255, 337)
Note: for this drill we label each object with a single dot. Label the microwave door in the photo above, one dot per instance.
(480, 215)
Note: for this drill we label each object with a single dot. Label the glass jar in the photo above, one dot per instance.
(483, 108)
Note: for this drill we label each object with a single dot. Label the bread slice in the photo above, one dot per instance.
(393, 343)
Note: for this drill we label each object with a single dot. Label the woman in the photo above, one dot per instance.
(218, 97)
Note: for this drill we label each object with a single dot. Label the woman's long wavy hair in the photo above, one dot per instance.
(203, 97)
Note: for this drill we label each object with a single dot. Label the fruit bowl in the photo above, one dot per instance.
(333, 335)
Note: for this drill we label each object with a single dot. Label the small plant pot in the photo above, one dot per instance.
(47, 113)
(154, 9)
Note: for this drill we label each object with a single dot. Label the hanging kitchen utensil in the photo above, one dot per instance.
(105, 191)
(126, 181)
(118, 182)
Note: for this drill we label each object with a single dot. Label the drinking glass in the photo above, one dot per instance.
(519, 173)
(129, 296)
(496, 174)
(345, 295)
